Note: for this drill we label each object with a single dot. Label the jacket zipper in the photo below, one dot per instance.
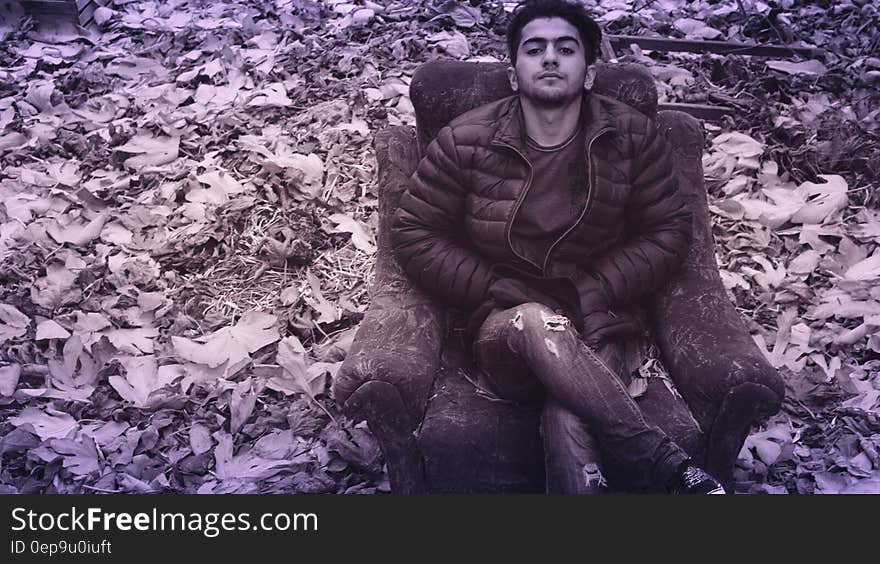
(518, 203)
(587, 203)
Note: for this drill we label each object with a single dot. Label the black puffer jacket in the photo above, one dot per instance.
(452, 232)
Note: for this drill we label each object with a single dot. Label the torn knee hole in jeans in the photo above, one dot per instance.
(593, 476)
(554, 322)
(517, 321)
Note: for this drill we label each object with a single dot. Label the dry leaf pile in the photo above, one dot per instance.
(793, 179)
(188, 216)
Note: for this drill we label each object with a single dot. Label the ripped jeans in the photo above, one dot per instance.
(528, 349)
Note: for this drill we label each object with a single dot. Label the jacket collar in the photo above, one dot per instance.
(511, 125)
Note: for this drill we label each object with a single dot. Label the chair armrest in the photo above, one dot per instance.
(705, 343)
(710, 354)
(399, 346)
(389, 372)
(386, 379)
(399, 339)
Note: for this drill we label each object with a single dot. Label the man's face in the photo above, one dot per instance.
(550, 67)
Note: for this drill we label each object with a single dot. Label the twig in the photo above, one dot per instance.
(102, 490)
(34, 370)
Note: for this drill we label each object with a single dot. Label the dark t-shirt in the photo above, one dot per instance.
(555, 198)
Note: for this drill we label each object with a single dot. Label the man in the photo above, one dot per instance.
(549, 216)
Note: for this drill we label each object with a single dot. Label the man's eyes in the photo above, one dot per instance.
(562, 50)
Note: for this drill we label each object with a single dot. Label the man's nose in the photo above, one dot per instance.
(550, 56)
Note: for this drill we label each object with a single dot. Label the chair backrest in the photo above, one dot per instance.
(442, 90)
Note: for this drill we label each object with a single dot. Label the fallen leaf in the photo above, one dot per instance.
(289, 295)
(846, 309)
(221, 187)
(362, 16)
(867, 400)
(65, 173)
(105, 432)
(868, 269)
(76, 375)
(805, 263)
(12, 317)
(244, 466)
(233, 344)
(305, 171)
(822, 200)
(362, 449)
(453, 42)
(733, 280)
(150, 150)
(18, 440)
(200, 439)
(869, 486)
(326, 310)
(241, 404)
(133, 485)
(607, 17)
(830, 483)
(221, 180)
(80, 457)
(9, 376)
(90, 323)
(767, 450)
(785, 203)
(77, 233)
(273, 95)
(811, 67)
(49, 329)
(133, 341)
(13, 142)
(117, 234)
(738, 145)
(143, 378)
(695, 28)
(292, 358)
(462, 15)
(8, 333)
(277, 445)
(57, 288)
(48, 424)
(771, 276)
(201, 374)
(360, 235)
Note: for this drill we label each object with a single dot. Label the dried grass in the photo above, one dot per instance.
(243, 280)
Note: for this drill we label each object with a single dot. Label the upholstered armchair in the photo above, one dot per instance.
(407, 371)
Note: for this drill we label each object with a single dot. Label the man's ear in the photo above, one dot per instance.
(511, 76)
(590, 78)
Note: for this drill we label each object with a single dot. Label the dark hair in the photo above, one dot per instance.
(575, 14)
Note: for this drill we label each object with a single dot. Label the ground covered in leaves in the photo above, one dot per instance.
(188, 209)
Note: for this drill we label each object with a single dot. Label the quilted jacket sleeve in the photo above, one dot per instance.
(428, 230)
(657, 237)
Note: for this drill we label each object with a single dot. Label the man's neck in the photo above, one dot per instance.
(551, 126)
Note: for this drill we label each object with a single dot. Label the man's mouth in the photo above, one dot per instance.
(549, 75)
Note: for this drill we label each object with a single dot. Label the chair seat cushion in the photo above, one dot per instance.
(471, 443)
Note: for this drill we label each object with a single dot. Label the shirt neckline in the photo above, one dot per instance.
(532, 144)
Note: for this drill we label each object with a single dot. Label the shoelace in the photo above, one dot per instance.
(694, 476)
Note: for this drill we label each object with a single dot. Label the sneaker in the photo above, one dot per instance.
(695, 480)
